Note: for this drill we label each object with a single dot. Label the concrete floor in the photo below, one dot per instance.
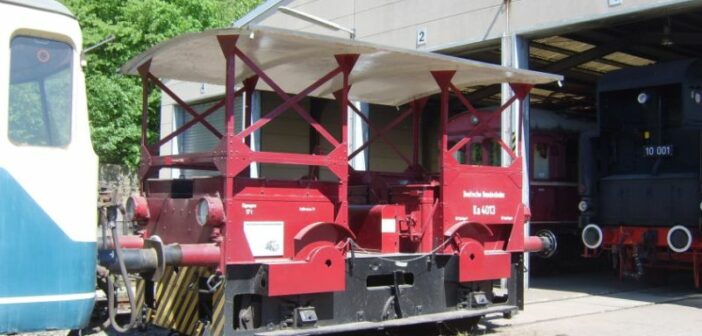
(601, 304)
(584, 304)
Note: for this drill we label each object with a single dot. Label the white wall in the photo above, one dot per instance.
(454, 24)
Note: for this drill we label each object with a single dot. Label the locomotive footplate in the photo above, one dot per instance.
(390, 324)
(381, 293)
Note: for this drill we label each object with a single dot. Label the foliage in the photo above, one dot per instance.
(40, 95)
(114, 100)
(38, 122)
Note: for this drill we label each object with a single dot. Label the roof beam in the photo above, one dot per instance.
(569, 87)
(567, 52)
(636, 49)
(580, 74)
(564, 64)
(260, 13)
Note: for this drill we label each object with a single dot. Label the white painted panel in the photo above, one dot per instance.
(388, 225)
(266, 238)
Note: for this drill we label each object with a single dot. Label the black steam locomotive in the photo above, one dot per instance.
(641, 170)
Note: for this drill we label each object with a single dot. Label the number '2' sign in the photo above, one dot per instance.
(421, 36)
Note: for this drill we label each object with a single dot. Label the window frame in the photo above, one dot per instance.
(55, 38)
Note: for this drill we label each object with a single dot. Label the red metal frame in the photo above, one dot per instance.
(553, 201)
(435, 205)
(481, 206)
(314, 247)
(472, 211)
(415, 110)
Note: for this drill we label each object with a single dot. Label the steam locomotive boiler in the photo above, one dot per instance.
(641, 175)
(335, 249)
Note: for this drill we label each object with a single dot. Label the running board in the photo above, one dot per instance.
(390, 324)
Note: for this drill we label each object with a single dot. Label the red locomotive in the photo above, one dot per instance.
(345, 251)
(553, 188)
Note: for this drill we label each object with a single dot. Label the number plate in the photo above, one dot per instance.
(658, 151)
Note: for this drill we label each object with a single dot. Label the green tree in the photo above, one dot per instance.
(114, 100)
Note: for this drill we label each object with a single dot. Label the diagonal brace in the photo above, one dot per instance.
(286, 104)
(463, 99)
(187, 125)
(262, 75)
(484, 125)
(385, 129)
(377, 131)
(183, 104)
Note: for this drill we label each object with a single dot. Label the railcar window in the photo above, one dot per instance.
(41, 81)
(542, 164)
(486, 153)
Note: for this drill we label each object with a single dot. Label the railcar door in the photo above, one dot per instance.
(554, 194)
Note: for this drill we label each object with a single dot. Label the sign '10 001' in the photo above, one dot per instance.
(656, 151)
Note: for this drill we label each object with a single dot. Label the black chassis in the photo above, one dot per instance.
(381, 293)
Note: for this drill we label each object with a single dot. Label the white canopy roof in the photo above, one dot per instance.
(294, 60)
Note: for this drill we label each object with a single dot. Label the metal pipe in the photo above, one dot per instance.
(544, 242)
(534, 244)
(125, 242)
(197, 254)
(135, 260)
(146, 259)
(122, 269)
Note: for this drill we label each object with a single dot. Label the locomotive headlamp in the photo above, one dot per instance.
(696, 96)
(592, 236)
(474, 120)
(137, 209)
(642, 98)
(679, 239)
(583, 206)
(209, 211)
(700, 206)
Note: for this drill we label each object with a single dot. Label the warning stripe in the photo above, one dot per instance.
(218, 315)
(139, 293)
(176, 300)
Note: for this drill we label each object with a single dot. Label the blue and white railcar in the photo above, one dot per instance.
(48, 171)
